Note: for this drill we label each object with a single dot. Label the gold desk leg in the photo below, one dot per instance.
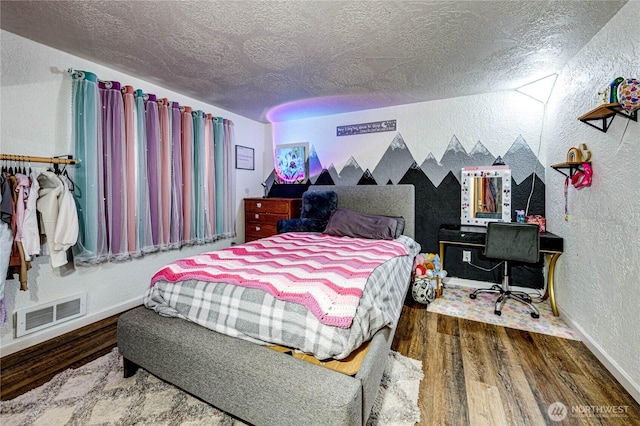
(438, 283)
(550, 293)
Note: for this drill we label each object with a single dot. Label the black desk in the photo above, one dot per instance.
(550, 244)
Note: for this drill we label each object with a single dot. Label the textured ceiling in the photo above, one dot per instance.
(325, 56)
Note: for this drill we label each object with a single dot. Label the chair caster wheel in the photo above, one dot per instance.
(498, 313)
(534, 315)
(473, 296)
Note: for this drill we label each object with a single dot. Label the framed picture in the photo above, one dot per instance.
(291, 163)
(245, 159)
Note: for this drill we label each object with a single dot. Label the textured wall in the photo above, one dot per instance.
(598, 275)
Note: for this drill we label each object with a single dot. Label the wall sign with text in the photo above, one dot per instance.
(359, 129)
(245, 158)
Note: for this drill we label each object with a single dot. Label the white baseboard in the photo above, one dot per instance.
(27, 341)
(621, 376)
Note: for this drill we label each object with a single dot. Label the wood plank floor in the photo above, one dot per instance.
(475, 373)
(483, 374)
(29, 368)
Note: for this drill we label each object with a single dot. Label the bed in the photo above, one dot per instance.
(254, 382)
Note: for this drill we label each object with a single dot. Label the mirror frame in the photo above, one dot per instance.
(467, 193)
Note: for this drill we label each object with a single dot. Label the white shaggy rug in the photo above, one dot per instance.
(97, 394)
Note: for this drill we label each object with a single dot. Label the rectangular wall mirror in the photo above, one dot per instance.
(485, 195)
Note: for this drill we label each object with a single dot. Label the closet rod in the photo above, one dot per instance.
(28, 158)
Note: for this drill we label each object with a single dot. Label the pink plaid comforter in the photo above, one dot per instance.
(324, 273)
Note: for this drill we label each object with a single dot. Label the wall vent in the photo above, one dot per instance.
(35, 318)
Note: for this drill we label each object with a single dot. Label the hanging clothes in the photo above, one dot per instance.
(22, 191)
(30, 230)
(17, 262)
(59, 216)
(6, 211)
(6, 242)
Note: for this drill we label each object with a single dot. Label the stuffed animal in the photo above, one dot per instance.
(427, 272)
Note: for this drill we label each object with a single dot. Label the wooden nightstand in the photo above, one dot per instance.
(262, 214)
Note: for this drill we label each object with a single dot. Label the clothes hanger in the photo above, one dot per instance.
(72, 186)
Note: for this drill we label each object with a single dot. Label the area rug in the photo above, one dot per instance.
(455, 301)
(97, 394)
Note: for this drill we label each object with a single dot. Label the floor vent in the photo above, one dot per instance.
(38, 317)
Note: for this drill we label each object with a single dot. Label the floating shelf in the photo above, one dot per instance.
(606, 113)
(573, 167)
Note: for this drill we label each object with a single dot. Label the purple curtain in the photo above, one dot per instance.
(115, 176)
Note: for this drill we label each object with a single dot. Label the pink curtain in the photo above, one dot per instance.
(165, 171)
(115, 176)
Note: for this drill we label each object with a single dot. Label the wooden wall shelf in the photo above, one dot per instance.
(573, 167)
(605, 114)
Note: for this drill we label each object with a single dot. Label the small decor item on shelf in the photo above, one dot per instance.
(582, 178)
(613, 90)
(629, 94)
(428, 277)
(578, 154)
(540, 220)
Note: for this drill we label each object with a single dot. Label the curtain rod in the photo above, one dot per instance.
(108, 84)
(28, 158)
(80, 74)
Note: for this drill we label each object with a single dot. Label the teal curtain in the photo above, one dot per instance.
(224, 141)
(145, 241)
(199, 161)
(89, 192)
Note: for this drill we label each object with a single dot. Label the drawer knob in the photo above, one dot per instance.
(257, 228)
(256, 216)
(259, 205)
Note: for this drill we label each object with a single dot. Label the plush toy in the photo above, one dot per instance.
(427, 272)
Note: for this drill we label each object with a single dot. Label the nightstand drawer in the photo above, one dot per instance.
(259, 230)
(267, 205)
(251, 218)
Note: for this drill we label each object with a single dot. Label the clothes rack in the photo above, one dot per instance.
(67, 159)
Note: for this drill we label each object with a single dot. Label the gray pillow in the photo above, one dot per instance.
(349, 223)
(399, 226)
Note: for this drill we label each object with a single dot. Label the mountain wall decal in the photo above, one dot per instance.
(397, 159)
(351, 173)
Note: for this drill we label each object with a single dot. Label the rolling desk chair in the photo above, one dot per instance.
(516, 242)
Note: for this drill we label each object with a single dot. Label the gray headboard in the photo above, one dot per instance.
(389, 200)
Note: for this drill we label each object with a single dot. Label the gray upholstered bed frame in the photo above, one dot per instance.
(256, 384)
